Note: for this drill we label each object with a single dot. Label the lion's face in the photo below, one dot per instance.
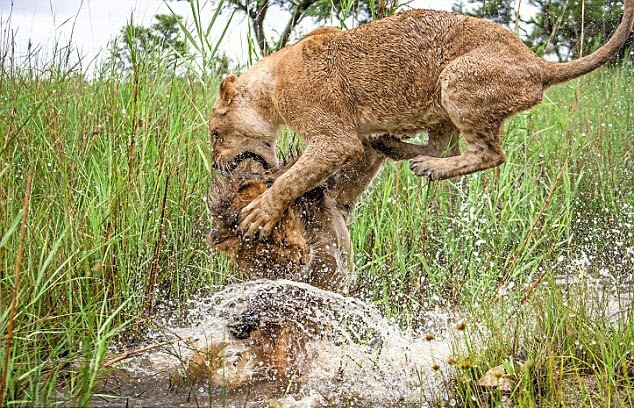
(228, 363)
(238, 129)
(283, 254)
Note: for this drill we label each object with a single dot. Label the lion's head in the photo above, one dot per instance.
(239, 128)
(283, 254)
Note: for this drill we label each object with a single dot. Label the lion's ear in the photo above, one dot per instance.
(228, 88)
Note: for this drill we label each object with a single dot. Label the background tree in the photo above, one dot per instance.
(221, 65)
(557, 27)
(500, 11)
(162, 42)
(298, 10)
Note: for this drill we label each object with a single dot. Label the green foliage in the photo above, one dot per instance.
(161, 43)
(117, 222)
(321, 11)
(220, 65)
(169, 42)
(500, 11)
(558, 25)
(562, 347)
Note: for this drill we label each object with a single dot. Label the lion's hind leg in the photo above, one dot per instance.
(479, 91)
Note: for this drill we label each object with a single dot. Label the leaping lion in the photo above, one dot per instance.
(421, 70)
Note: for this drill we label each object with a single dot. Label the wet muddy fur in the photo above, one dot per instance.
(310, 244)
(272, 322)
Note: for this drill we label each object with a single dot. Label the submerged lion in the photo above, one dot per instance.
(254, 345)
(271, 324)
(449, 75)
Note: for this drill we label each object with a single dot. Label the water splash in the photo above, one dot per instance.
(298, 346)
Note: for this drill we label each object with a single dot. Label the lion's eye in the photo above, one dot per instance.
(214, 134)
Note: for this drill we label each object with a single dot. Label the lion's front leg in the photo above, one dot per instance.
(318, 162)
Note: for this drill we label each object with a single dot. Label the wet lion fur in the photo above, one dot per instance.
(310, 244)
(446, 74)
(270, 324)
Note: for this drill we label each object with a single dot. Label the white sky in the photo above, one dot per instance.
(92, 24)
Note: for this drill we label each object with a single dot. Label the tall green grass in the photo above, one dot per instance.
(117, 221)
(564, 346)
(116, 224)
(564, 189)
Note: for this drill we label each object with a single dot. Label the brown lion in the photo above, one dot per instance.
(421, 70)
(311, 243)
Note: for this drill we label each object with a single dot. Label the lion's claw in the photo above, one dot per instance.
(423, 167)
(258, 218)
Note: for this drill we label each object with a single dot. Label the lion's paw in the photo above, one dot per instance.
(430, 167)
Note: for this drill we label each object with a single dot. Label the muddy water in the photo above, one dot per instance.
(329, 350)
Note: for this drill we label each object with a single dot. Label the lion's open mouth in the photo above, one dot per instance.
(246, 155)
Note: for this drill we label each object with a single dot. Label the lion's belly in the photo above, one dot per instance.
(401, 122)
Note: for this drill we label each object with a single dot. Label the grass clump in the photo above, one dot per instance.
(562, 347)
(117, 221)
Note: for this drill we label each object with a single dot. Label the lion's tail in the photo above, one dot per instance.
(555, 73)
